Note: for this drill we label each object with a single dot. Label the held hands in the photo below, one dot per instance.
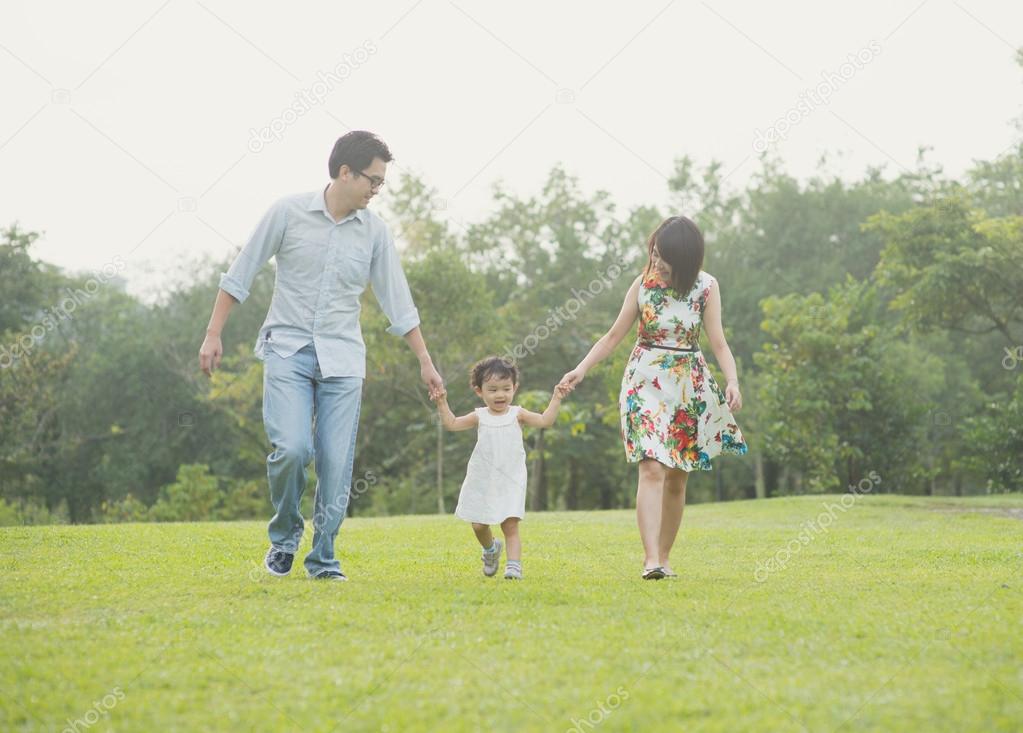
(432, 379)
(570, 381)
(561, 391)
(210, 354)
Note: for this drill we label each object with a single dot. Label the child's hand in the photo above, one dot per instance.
(561, 391)
(439, 395)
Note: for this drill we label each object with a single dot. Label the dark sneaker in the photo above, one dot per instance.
(330, 575)
(278, 562)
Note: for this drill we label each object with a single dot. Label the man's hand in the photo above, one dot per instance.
(210, 353)
(432, 379)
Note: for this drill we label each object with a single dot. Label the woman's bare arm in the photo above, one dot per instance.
(607, 343)
(718, 344)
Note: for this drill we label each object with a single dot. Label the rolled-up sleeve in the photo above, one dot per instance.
(391, 287)
(262, 245)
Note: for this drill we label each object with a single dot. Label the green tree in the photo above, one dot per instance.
(833, 382)
(995, 438)
(952, 267)
(193, 497)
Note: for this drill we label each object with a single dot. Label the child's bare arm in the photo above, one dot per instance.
(536, 420)
(447, 417)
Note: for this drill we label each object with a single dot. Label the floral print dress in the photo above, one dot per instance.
(672, 409)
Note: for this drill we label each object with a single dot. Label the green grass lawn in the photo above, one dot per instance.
(903, 614)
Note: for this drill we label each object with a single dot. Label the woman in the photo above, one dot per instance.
(675, 418)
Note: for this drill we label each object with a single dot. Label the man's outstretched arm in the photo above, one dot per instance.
(395, 298)
(263, 244)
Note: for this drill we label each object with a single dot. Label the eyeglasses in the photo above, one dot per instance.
(375, 182)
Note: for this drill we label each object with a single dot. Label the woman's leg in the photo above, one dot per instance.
(648, 509)
(512, 541)
(483, 534)
(672, 505)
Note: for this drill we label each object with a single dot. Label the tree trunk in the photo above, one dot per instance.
(539, 488)
(606, 495)
(440, 468)
(758, 476)
(772, 477)
(572, 492)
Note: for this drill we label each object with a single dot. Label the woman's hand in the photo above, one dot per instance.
(733, 397)
(571, 380)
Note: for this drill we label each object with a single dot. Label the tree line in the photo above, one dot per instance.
(877, 323)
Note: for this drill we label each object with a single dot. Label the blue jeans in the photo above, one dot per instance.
(293, 391)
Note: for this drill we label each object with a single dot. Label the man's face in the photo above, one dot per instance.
(365, 186)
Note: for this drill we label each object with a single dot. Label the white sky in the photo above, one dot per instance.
(126, 126)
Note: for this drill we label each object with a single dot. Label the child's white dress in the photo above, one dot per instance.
(495, 480)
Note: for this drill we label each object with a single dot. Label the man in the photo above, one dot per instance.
(328, 246)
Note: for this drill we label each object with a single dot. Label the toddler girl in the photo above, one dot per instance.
(494, 490)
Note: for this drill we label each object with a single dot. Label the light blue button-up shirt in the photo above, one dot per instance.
(323, 266)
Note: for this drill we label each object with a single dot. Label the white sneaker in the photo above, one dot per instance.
(513, 572)
(492, 558)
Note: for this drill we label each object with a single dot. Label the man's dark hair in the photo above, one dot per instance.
(493, 367)
(357, 149)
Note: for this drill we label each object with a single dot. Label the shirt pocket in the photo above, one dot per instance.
(354, 267)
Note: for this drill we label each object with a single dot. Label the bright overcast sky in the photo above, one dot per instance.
(130, 129)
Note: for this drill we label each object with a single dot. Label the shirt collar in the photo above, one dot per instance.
(317, 202)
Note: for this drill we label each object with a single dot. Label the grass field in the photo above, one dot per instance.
(901, 614)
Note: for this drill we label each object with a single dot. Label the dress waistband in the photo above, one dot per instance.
(688, 349)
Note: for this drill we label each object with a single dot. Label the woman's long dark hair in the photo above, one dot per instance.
(680, 244)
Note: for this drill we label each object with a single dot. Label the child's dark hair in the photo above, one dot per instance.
(493, 367)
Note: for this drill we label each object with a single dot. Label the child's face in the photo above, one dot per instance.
(497, 393)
